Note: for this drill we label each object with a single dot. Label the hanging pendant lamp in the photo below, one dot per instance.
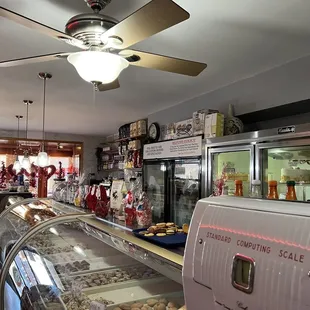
(26, 160)
(17, 166)
(42, 159)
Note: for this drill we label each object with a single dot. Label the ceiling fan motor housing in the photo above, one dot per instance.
(97, 5)
(89, 27)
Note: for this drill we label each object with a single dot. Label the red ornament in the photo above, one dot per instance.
(44, 175)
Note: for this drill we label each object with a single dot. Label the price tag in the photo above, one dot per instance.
(94, 305)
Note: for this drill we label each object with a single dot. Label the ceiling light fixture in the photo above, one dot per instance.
(98, 67)
(42, 159)
(26, 160)
(17, 166)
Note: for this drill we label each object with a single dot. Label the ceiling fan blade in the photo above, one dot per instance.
(103, 87)
(163, 63)
(29, 23)
(152, 18)
(33, 59)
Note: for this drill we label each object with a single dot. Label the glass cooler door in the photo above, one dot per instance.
(282, 162)
(155, 185)
(185, 191)
(225, 165)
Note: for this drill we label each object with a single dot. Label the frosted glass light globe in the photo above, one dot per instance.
(17, 166)
(94, 66)
(26, 163)
(42, 159)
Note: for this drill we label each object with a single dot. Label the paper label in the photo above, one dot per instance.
(187, 147)
(286, 129)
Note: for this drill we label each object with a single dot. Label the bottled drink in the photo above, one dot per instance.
(290, 194)
(238, 188)
(273, 190)
(256, 189)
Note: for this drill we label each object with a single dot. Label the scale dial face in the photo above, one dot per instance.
(154, 132)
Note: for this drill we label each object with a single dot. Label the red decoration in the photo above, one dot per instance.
(60, 172)
(3, 175)
(43, 176)
(130, 216)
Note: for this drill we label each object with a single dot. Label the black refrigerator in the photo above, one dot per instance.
(173, 186)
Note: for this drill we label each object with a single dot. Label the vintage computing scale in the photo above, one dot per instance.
(248, 254)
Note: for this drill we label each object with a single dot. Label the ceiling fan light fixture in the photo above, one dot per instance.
(98, 67)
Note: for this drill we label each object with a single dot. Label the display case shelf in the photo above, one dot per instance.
(76, 252)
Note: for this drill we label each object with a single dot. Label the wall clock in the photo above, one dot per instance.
(154, 132)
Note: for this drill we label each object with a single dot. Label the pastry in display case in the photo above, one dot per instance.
(73, 260)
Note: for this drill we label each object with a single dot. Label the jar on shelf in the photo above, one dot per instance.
(256, 191)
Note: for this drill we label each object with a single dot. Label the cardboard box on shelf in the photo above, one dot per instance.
(199, 120)
(133, 129)
(184, 128)
(141, 127)
(167, 132)
(214, 125)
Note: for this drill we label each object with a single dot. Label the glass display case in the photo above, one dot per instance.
(155, 185)
(185, 189)
(226, 165)
(282, 162)
(54, 257)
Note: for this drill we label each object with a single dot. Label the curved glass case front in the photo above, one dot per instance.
(54, 260)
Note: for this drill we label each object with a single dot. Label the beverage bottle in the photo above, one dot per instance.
(238, 188)
(273, 190)
(290, 194)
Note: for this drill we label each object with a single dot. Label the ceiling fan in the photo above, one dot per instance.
(104, 42)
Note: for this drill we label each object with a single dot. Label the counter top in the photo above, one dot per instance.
(125, 233)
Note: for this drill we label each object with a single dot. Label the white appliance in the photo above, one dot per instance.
(247, 254)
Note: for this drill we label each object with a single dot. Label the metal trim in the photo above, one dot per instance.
(203, 171)
(269, 135)
(33, 231)
(239, 287)
(259, 147)
(227, 149)
(18, 203)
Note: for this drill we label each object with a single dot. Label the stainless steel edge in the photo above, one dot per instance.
(21, 241)
(171, 256)
(151, 258)
(268, 135)
(209, 177)
(203, 170)
(233, 148)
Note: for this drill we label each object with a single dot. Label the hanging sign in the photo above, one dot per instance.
(188, 147)
(286, 129)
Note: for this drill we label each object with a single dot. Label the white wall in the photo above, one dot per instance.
(90, 143)
(281, 85)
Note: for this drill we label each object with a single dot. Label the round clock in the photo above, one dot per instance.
(154, 132)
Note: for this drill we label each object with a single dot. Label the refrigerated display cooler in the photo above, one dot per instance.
(173, 184)
(55, 257)
(279, 154)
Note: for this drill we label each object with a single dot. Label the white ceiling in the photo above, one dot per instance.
(235, 38)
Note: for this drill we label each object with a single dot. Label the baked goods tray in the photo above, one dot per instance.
(167, 241)
(177, 298)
